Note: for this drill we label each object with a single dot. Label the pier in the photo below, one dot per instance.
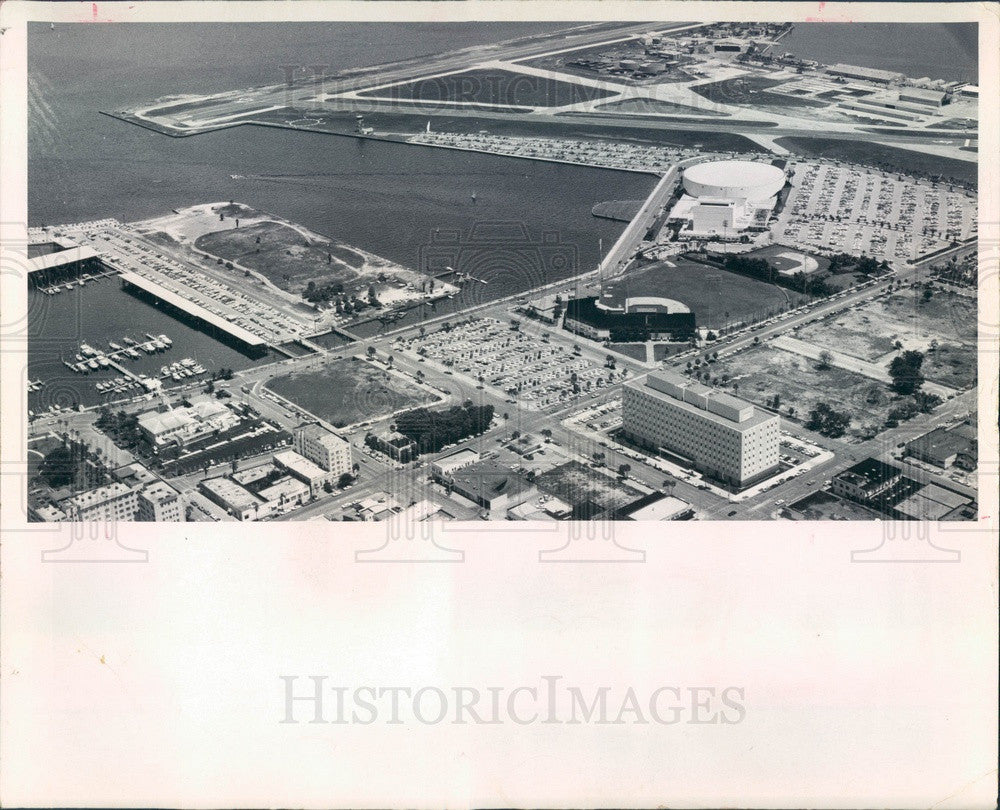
(245, 341)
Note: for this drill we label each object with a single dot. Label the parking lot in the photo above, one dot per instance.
(864, 211)
(537, 371)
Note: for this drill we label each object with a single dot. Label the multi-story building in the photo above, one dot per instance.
(159, 502)
(323, 448)
(111, 502)
(724, 437)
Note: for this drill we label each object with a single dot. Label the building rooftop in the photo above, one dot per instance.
(62, 257)
(665, 508)
(709, 403)
(487, 479)
(869, 471)
(160, 492)
(314, 430)
(100, 495)
(299, 465)
(179, 301)
(940, 443)
(289, 487)
(230, 492)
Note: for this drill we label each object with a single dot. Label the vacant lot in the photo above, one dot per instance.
(283, 255)
(492, 87)
(346, 392)
(578, 484)
(763, 371)
(943, 328)
(857, 332)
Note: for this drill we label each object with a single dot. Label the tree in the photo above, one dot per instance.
(905, 372)
(828, 422)
(623, 470)
(825, 360)
(344, 480)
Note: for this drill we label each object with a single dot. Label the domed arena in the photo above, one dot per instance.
(734, 180)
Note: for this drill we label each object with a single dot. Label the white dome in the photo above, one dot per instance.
(734, 179)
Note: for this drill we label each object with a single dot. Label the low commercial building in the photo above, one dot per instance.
(159, 503)
(917, 95)
(235, 499)
(720, 435)
(943, 448)
(865, 73)
(456, 461)
(304, 470)
(108, 503)
(204, 416)
(396, 446)
(490, 485)
(47, 513)
(657, 506)
(323, 448)
(285, 494)
(866, 481)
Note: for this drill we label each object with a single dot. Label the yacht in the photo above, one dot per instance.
(103, 361)
(87, 351)
(132, 353)
(165, 340)
(115, 346)
(92, 365)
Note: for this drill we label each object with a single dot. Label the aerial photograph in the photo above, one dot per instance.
(502, 271)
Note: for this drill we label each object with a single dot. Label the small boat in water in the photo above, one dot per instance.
(87, 351)
(92, 365)
(132, 353)
(115, 346)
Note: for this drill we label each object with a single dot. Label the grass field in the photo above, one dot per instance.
(709, 292)
(763, 371)
(752, 90)
(287, 258)
(886, 158)
(492, 87)
(652, 105)
(346, 392)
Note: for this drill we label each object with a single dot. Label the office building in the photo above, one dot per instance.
(323, 448)
(108, 503)
(159, 502)
(720, 435)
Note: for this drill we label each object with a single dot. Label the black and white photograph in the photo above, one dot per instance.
(503, 271)
(487, 283)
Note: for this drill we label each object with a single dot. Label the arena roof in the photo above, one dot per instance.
(733, 178)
